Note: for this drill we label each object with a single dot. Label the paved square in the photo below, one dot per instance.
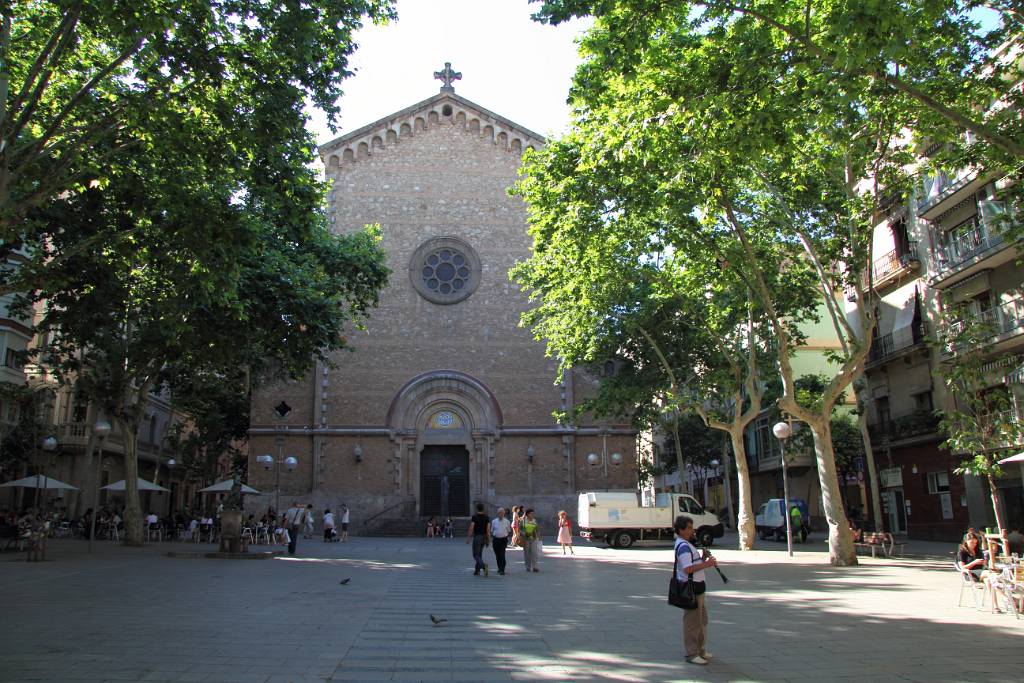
(136, 615)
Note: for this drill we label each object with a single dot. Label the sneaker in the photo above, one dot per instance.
(697, 659)
(501, 572)
(535, 569)
(707, 655)
(476, 573)
(487, 571)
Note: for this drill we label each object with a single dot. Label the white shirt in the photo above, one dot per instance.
(687, 555)
(294, 516)
(344, 517)
(328, 520)
(152, 519)
(500, 527)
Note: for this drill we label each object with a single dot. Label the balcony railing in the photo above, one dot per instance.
(966, 241)
(919, 423)
(937, 187)
(1004, 318)
(887, 267)
(897, 341)
(894, 262)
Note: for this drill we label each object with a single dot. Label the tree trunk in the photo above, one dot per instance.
(745, 517)
(133, 532)
(860, 391)
(841, 551)
(994, 492)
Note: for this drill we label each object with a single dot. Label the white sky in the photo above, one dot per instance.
(511, 65)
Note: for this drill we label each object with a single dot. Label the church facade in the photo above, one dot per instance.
(445, 400)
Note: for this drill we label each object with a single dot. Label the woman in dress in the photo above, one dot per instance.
(531, 541)
(565, 532)
(517, 519)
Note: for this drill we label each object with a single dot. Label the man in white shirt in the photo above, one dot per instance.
(328, 526)
(294, 518)
(344, 523)
(152, 519)
(501, 528)
(691, 562)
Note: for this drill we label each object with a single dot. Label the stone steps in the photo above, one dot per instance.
(412, 527)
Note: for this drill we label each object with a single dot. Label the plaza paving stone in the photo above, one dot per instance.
(134, 614)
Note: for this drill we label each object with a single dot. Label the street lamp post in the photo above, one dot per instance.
(49, 447)
(783, 431)
(268, 461)
(101, 429)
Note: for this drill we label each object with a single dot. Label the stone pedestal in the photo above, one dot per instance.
(231, 532)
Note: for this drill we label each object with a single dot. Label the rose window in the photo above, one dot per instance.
(446, 271)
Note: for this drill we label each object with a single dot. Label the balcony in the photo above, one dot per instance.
(970, 247)
(943, 190)
(889, 268)
(1005, 321)
(916, 425)
(898, 343)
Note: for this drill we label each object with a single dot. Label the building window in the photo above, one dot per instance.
(444, 270)
(14, 359)
(882, 408)
(938, 482)
(923, 402)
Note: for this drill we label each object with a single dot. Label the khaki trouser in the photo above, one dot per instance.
(695, 628)
(531, 555)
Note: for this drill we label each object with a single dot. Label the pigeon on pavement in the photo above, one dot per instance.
(437, 620)
(344, 581)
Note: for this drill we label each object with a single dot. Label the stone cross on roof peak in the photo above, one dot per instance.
(447, 76)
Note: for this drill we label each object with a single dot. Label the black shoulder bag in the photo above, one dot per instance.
(681, 594)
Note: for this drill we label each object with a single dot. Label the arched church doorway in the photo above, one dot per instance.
(444, 481)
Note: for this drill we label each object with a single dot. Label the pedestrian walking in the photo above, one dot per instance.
(344, 523)
(517, 521)
(309, 521)
(480, 535)
(328, 526)
(689, 562)
(530, 532)
(501, 529)
(294, 518)
(565, 532)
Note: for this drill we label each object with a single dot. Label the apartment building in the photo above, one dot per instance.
(941, 257)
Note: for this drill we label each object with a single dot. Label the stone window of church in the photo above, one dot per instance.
(445, 270)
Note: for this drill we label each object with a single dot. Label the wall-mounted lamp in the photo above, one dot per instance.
(266, 460)
(616, 458)
(357, 453)
(530, 452)
(914, 469)
(593, 459)
(291, 463)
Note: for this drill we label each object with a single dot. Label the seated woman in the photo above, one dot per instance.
(971, 557)
(858, 533)
(431, 526)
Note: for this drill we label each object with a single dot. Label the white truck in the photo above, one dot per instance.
(618, 519)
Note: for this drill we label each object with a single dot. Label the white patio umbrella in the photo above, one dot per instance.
(1013, 458)
(225, 487)
(38, 481)
(143, 486)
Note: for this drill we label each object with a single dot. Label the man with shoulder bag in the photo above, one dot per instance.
(689, 576)
(294, 520)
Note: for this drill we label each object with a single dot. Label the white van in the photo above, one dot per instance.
(618, 519)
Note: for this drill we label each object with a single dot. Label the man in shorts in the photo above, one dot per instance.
(344, 523)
